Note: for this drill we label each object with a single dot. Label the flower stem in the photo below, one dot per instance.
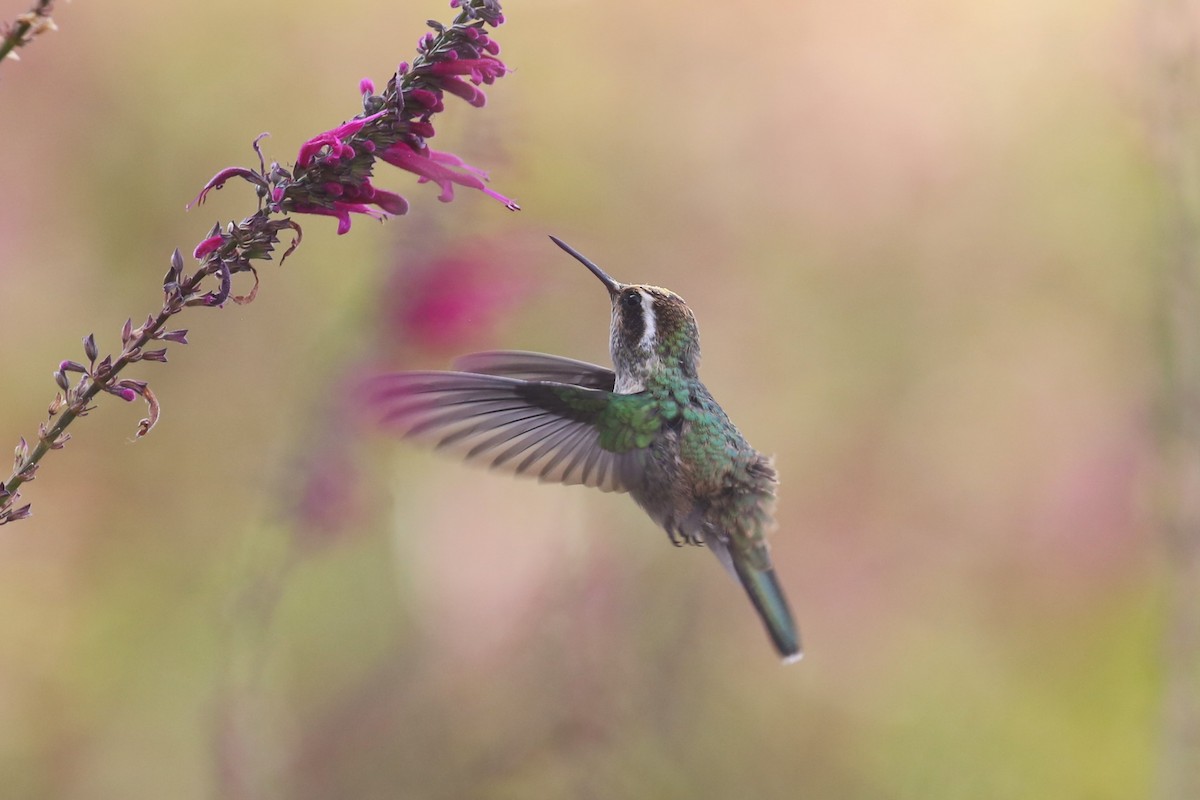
(332, 177)
(24, 469)
(26, 27)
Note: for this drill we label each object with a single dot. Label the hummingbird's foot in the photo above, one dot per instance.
(682, 536)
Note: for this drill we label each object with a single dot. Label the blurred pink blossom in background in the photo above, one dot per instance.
(456, 299)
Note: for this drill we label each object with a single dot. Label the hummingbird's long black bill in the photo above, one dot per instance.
(614, 287)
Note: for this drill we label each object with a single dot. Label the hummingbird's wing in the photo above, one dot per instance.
(538, 367)
(556, 432)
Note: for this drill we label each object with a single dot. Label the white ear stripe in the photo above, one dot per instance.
(649, 321)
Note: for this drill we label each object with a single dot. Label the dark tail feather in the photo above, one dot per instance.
(767, 596)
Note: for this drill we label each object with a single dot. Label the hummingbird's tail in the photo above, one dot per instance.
(767, 596)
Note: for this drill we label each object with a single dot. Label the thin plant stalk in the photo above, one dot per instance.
(33, 22)
(332, 176)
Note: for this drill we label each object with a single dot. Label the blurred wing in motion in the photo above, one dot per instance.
(555, 432)
(538, 367)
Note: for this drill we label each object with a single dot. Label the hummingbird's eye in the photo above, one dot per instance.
(632, 300)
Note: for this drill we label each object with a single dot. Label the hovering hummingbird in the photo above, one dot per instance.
(648, 427)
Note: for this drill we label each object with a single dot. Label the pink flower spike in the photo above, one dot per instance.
(366, 86)
(207, 246)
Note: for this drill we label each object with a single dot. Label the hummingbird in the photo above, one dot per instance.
(648, 427)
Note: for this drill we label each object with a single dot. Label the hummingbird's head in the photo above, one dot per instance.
(652, 329)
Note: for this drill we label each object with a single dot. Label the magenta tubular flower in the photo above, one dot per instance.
(481, 70)
(444, 169)
(207, 246)
(360, 198)
(340, 210)
(460, 88)
(335, 140)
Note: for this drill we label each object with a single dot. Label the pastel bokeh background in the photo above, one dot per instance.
(926, 245)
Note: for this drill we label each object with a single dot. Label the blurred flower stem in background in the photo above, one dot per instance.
(1175, 128)
(332, 177)
(21, 32)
